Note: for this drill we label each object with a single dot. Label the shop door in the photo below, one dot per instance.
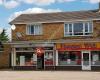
(40, 62)
(86, 60)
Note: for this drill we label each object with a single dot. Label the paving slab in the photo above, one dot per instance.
(49, 75)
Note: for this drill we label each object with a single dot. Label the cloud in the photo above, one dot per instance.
(8, 32)
(27, 1)
(1, 2)
(44, 2)
(92, 1)
(32, 10)
(66, 0)
(10, 4)
(1, 30)
(14, 3)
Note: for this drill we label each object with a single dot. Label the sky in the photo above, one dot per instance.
(10, 9)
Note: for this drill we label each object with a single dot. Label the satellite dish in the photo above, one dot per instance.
(19, 35)
(13, 27)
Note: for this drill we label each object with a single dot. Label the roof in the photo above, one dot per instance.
(56, 17)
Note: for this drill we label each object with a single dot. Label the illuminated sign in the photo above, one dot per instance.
(78, 46)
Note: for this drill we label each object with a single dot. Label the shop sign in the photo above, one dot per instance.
(78, 46)
(44, 48)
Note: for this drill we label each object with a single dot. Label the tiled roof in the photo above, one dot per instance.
(56, 17)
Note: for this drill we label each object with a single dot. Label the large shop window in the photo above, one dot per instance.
(69, 58)
(25, 59)
(49, 58)
(34, 29)
(78, 29)
(95, 55)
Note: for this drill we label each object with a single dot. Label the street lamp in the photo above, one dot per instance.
(13, 27)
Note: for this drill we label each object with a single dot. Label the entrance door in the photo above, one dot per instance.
(86, 60)
(40, 62)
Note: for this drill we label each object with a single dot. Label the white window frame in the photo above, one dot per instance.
(83, 28)
(40, 32)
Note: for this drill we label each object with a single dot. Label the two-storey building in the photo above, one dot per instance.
(56, 41)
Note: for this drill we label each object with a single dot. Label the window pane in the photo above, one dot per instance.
(32, 29)
(70, 29)
(95, 58)
(49, 58)
(38, 30)
(69, 58)
(66, 29)
(86, 27)
(90, 27)
(78, 28)
(25, 59)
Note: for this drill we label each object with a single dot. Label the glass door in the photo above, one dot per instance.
(40, 62)
(86, 60)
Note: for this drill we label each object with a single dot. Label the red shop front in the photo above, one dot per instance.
(78, 56)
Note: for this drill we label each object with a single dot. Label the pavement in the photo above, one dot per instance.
(49, 75)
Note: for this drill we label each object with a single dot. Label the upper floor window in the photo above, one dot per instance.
(78, 29)
(34, 29)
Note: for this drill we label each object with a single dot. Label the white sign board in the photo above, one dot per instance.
(22, 60)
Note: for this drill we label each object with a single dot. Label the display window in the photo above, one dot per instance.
(95, 58)
(49, 58)
(69, 58)
(25, 59)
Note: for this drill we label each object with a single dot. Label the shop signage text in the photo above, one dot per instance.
(78, 46)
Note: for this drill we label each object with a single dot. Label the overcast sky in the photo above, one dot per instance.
(9, 9)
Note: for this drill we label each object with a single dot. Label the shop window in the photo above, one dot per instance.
(25, 59)
(69, 58)
(49, 58)
(95, 55)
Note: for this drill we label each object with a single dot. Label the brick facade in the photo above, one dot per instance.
(5, 57)
(51, 31)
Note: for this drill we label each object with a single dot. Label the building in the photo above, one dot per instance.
(56, 41)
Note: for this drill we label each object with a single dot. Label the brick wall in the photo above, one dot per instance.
(5, 57)
(51, 31)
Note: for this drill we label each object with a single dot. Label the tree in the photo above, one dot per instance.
(3, 36)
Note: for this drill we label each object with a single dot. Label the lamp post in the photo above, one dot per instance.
(13, 27)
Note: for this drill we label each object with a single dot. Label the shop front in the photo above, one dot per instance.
(32, 57)
(78, 56)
